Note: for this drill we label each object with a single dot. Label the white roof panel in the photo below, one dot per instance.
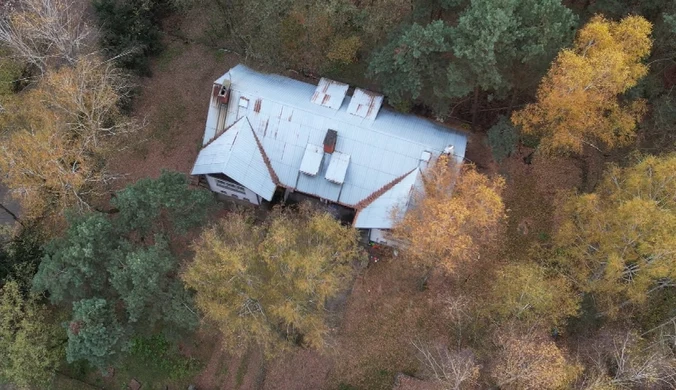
(365, 104)
(337, 167)
(329, 93)
(312, 159)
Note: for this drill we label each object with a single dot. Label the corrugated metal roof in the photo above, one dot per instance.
(312, 159)
(329, 93)
(286, 121)
(236, 153)
(365, 104)
(337, 167)
(380, 213)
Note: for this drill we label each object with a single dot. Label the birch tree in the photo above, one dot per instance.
(578, 101)
(46, 33)
(58, 135)
(618, 243)
(460, 211)
(268, 284)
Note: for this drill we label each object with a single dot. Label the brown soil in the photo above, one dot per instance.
(173, 104)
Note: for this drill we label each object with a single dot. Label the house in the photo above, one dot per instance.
(269, 136)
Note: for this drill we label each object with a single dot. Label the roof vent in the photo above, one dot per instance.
(312, 160)
(329, 93)
(365, 104)
(449, 150)
(330, 141)
(337, 169)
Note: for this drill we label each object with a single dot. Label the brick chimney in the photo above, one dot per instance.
(330, 141)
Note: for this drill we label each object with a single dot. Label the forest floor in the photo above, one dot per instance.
(386, 309)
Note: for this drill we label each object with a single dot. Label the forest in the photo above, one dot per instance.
(546, 260)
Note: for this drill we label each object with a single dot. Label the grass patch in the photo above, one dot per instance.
(167, 57)
(155, 363)
(242, 370)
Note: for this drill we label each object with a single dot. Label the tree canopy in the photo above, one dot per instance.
(127, 258)
(578, 101)
(617, 243)
(463, 205)
(29, 343)
(486, 49)
(268, 284)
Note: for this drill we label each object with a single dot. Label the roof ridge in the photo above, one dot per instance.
(382, 190)
(266, 159)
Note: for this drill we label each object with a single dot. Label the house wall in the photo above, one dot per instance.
(232, 189)
(382, 236)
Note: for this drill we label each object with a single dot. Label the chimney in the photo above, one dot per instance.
(330, 141)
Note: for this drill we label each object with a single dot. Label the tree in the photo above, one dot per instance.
(130, 30)
(268, 284)
(623, 359)
(46, 33)
(578, 100)
(163, 205)
(502, 138)
(494, 41)
(466, 210)
(94, 333)
(58, 135)
(454, 370)
(525, 292)
(125, 262)
(29, 344)
(530, 361)
(618, 242)
(412, 62)
(480, 52)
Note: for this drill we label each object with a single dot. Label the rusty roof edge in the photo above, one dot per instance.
(266, 159)
(379, 192)
(219, 136)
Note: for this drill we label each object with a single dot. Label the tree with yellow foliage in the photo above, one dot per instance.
(57, 135)
(578, 100)
(268, 284)
(619, 243)
(526, 292)
(460, 211)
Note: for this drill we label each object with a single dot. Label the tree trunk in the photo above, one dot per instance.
(475, 107)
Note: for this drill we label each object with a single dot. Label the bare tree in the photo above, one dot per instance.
(46, 32)
(623, 359)
(454, 370)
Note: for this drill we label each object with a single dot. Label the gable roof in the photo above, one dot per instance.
(382, 147)
(236, 153)
(378, 212)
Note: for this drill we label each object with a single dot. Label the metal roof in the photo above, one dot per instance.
(236, 154)
(365, 104)
(312, 159)
(385, 209)
(285, 121)
(329, 93)
(337, 167)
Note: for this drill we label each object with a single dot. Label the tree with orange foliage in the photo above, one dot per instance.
(528, 360)
(460, 211)
(578, 100)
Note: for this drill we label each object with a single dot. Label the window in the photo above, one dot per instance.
(230, 186)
